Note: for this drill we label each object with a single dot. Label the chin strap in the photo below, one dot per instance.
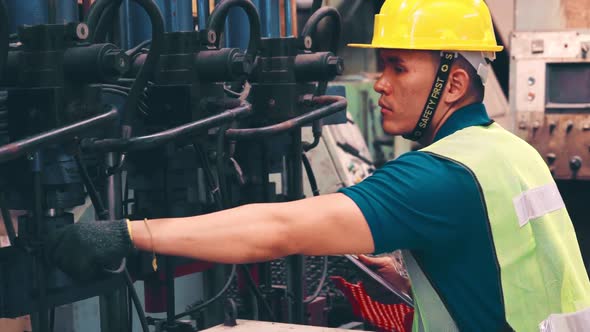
(438, 87)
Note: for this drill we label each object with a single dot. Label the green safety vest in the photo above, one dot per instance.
(538, 257)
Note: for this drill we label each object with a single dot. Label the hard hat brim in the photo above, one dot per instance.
(496, 48)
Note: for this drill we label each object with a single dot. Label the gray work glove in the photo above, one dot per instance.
(85, 249)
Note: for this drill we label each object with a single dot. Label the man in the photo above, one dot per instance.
(488, 243)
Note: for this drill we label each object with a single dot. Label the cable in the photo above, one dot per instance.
(320, 284)
(116, 87)
(220, 165)
(133, 52)
(151, 61)
(256, 290)
(310, 175)
(123, 92)
(317, 133)
(101, 212)
(105, 21)
(52, 320)
(99, 206)
(95, 12)
(135, 298)
(213, 187)
(211, 300)
(314, 189)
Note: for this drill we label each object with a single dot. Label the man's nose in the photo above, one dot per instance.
(381, 86)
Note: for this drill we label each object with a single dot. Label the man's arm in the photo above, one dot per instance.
(324, 225)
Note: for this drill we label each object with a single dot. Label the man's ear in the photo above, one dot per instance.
(457, 86)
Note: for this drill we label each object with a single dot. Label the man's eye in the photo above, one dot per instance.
(399, 69)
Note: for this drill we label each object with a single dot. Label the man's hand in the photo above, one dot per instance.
(84, 249)
(389, 269)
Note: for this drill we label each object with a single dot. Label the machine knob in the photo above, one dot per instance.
(575, 163)
(569, 126)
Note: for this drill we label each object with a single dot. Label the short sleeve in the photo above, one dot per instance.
(418, 202)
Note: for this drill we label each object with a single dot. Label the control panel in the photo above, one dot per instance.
(550, 97)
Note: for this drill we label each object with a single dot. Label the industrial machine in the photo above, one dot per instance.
(550, 76)
(550, 101)
(101, 118)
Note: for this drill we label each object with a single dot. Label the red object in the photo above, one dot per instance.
(155, 286)
(386, 317)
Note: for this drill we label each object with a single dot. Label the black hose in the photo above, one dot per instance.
(213, 186)
(151, 61)
(52, 320)
(317, 135)
(95, 13)
(310, 175)
(216, 23)
(211, 300)
(4, 36)
(220, 165)
(135, 298)
(105, 22)
(99, 207)
(311, 25)
(133, 52)
(254, 288)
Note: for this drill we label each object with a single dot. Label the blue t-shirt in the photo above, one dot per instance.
(434, 207)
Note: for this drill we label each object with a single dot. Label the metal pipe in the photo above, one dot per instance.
(51, 11)
(203, 13)
(113, 306)
(335, 104)
(3, 36)
(170, 289)
(41, 316)
(272, 27)
(19, 148)
(288, 19)
(295, 263)
(154, 140)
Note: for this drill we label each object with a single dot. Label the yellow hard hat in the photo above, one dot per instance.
(446, 25)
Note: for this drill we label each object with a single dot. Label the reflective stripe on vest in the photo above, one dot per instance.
(539, 261)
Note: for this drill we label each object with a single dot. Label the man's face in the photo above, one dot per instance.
(404, 86)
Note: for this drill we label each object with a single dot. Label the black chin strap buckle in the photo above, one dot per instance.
(438, 87)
